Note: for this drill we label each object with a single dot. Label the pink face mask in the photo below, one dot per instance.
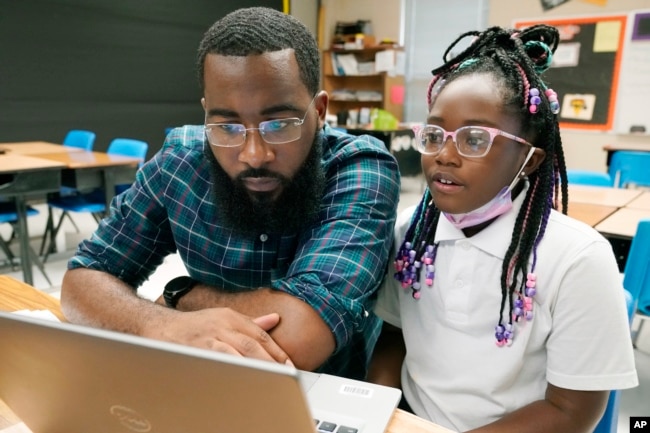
(499, 205)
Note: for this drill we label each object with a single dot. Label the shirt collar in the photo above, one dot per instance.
(495, 238)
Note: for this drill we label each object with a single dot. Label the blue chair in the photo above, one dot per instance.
(94, 201)
(629, 168)
(637, 273)
(609, 421)
(80, 138)
(9, 215)
(636, 281)
(587, 177)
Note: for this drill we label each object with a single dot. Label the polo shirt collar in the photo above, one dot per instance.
(495, 238)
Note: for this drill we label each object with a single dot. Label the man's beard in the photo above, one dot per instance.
(258, 212)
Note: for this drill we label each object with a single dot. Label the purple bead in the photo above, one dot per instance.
(535, 100)
(530, 292)
(534, 91)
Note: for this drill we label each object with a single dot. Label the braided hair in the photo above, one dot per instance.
(515, 59)
(258, 30)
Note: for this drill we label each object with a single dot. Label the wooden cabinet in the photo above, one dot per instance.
(350, 79)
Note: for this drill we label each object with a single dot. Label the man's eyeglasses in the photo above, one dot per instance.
(470, 141)
(275, 131)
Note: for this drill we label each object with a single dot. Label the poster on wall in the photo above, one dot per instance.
(585, 68)
(550, 4)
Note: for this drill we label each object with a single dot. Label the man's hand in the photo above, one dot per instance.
(223, 330)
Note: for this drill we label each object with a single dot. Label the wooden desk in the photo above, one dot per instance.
(616, 197)
(641, 202)
(590, 213)
(623, 222)
(84, 170)
(16, 295)
(20, 177)
(36, 148)
(89, 170)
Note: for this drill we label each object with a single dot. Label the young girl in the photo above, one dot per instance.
(506, 314)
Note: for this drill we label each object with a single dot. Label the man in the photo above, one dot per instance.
(283, 224)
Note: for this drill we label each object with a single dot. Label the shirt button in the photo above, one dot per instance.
(264, 237)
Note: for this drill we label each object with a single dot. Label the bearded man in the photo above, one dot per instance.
(283, 224)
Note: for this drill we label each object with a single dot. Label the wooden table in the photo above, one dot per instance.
(617, 197)
(623, 222)
(641, 202)
(38, 168)
(590, 213)
(22, 176)
(36, 148)
(16, 295)
(87, 170)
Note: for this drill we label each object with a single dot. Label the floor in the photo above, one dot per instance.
(634, 402)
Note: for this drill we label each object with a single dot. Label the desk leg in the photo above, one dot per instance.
(23, 234)
(109, 188)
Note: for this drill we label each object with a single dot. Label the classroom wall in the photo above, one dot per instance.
(386, 20)
(583, 149)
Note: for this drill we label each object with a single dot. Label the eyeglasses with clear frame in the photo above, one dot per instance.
(470, 141)
(276, 131)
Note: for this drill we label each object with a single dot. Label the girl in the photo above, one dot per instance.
(506, 314)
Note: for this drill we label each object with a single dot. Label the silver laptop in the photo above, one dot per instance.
(63, 377)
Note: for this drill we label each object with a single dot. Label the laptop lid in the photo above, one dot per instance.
(64, 377)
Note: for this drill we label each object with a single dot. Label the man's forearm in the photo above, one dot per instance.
(302, 333)
(98, 299)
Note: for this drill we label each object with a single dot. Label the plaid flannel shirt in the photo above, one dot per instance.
(335, 265)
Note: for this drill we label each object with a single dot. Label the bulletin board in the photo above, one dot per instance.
(585, 70)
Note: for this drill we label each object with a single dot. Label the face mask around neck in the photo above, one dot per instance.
(498, 206)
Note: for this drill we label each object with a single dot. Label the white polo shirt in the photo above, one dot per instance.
(579, 338)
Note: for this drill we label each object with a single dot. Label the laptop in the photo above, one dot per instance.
(63, 377)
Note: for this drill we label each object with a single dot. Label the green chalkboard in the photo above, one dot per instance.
(117, 67)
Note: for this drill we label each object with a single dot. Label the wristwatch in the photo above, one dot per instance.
(175, 289)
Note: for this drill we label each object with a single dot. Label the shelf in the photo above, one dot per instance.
(387, 87)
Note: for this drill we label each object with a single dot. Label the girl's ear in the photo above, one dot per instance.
(535, 161)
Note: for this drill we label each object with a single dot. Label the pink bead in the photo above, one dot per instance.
(530, 283)
(429, 281)
(501, 343)
(416, 295)
(531, 276)
(404, 285)
(533, 109)
(428, 261)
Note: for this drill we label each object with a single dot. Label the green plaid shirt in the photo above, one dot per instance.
(335, 265)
